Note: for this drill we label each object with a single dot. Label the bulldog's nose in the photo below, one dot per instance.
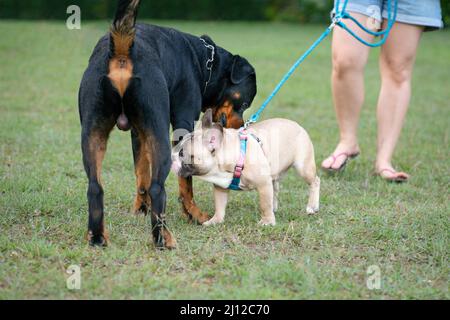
(176, 166)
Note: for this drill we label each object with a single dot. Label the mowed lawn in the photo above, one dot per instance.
(402, 229)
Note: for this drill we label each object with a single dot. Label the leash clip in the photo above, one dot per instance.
(336, 20)
(248, 123)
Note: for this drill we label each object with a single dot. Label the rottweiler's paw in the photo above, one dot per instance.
(167, 241)
(141, 206)
(142, 210)
(100, 240)
(185, 214)
(203, 218)
(193, 214)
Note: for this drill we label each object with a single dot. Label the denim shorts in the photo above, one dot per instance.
(425, 13)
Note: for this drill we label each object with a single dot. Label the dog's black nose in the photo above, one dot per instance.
(223, 120)
(181, 154)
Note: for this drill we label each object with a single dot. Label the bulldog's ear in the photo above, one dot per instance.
(213, 138)
(207, 120)
(240, 70)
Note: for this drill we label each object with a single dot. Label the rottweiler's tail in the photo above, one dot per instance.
(123, 28)
(120, 65)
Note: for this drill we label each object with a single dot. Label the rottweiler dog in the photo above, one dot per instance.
(145, 78)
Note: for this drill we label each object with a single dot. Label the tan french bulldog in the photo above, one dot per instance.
(273, 147)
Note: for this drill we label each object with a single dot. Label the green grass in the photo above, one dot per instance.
(403, 229)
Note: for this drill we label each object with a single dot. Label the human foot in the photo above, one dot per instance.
(391, 175)
(339, 159)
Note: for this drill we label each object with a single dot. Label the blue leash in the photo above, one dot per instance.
(256, 116)
(343, 14)
(337, 21)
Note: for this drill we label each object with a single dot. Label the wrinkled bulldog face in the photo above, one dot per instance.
(195, 155)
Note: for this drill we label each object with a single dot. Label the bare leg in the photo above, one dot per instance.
(220, 200)
(396, 66)
(349, 60)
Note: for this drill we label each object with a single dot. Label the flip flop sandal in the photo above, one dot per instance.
(398, 177)
(344, 164)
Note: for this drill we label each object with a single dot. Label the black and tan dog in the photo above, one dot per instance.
(143, 78)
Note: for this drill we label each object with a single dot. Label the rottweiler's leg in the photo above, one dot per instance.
(183, 184)
(142, 161)
(189, 209)
(185, 109)
(161, 163)
(150, 116)
(188, 206)
(185, 191)
(94, 140)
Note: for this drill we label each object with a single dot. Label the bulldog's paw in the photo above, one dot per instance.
(212, 222)
(267, 222)
(312, 210)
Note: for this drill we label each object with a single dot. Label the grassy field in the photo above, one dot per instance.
(403, 229)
